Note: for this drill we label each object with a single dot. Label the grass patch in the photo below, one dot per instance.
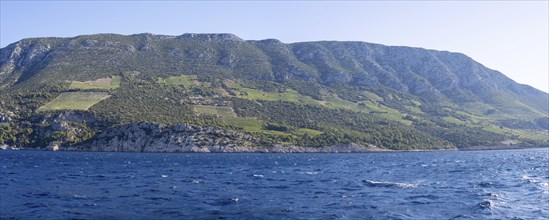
(310, 132)
(528, 134)
(75, 101)
(205, 109)
(108, 83)
(330, 101)
(453, 120)
(225, 112)
(372, 96)
(335, 102)
(186, 80)
(289, 96)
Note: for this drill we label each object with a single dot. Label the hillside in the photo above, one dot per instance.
(75, 93)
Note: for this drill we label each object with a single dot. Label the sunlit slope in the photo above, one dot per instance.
(310, 93)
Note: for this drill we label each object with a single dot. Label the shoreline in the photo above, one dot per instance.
(310, 150)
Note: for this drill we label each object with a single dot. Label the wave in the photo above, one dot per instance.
(486, 204)
(538, 181)
(372, 183)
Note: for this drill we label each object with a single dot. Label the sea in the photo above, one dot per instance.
(502, 184)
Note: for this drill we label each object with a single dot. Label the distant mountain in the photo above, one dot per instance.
(69, 92)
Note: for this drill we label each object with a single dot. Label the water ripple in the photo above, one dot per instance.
(427, 185)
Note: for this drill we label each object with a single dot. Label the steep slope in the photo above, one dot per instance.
(432, 99)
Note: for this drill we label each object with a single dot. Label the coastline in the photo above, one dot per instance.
(500, 147)
(277, 149)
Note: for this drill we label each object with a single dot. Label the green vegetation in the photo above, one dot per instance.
(135, 103)
(109, 83)
(309, 132)
(224, 112)
(307, 94)
(247, 124)
(279, 93)
(75, 101)
(186, 80)
(337, 125)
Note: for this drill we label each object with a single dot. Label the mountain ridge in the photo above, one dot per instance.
(422, 88)
(236, 38)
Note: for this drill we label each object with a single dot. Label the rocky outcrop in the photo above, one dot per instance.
(53, 130)
(212, 37)
(5, 117)
(20, 57)
(153, 137)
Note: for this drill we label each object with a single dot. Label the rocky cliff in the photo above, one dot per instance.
(153, 137)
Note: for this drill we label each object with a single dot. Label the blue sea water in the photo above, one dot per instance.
(503, 184)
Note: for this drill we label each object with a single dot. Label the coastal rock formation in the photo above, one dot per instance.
(154, 137)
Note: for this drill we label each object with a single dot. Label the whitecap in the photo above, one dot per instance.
(528, 179)
(486, 204)
(311, 173)
(389, 184)
(196, 181)
(164, 176)
(491, 194)
(537, 181)
(258, 175)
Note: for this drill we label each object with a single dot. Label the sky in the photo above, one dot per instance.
(509, 36)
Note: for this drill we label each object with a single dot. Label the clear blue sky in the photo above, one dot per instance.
(511, 37)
